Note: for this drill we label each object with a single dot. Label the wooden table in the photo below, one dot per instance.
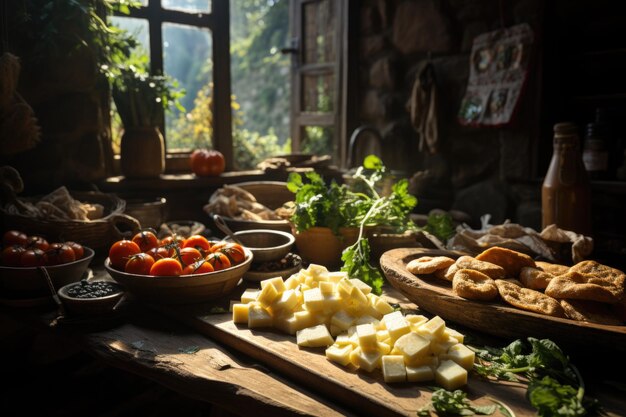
(201, 354)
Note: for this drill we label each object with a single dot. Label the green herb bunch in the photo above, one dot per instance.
(555, 386)
(336, 206)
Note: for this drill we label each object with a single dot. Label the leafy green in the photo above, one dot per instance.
(336, 206)
(454, 403)
(555, 387)
(440, 225)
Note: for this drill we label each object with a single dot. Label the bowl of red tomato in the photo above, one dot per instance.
(24, 257)
(176, 270)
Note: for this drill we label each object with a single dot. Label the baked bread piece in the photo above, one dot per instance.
(491, 270)
(528, 299)
(512, 261)
(554, 269)
(583, 286)
(589, 311)
(428, 264)
(474, 285)
(447, 273)
(534, 278)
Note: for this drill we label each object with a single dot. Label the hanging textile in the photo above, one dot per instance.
(423, 108)
(498, 71)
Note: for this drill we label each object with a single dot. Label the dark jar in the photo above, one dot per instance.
(566, 193)
(595, 153)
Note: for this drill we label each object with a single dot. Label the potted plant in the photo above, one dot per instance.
(330, 222)
(141, 99)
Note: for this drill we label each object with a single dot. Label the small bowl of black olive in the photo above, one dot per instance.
(91, 297)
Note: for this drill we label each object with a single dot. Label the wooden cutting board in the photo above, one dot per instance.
(366, 394)
(495, 318)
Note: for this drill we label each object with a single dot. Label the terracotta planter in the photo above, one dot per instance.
(142, 152)
(320, 246)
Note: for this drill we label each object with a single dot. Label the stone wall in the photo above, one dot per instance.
(397, 38)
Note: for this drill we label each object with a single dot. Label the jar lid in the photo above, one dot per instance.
(566, 128)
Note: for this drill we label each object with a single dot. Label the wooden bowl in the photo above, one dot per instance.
(89, 306)
(31, 279)
(319, 245)
(183, 289)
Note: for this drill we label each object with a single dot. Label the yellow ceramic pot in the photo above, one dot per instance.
(320, 246)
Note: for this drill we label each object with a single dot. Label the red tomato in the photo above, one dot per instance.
(217, 246)
(234, 251)
(207, 162)
(146, 240)
(11, 255)
(199, 242)
(218, 260)
(140, 263)
(37, 242)
(187, 256)
(34, 257)
(159, 252)
(60, 253)
(171, 242)
(121, 251)
(78, 249)
(166, 267)
(199, 267)
(14, 237)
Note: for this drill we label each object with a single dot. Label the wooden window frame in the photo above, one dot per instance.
(217, 21)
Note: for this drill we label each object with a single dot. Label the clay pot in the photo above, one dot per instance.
(320, 246)
(142, 152)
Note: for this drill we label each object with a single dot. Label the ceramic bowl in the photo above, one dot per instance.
(32, 280)
(319, 245)
(94, 304)
(262, 272)
(183, 289)
(266, 245)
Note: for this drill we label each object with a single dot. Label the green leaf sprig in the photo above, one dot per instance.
(454, 403)
(555, 386)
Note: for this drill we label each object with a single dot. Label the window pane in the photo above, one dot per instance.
(138, 28)
(187, 53)
(318, 93)
(318, 140)
(319, 29)
(188, 5)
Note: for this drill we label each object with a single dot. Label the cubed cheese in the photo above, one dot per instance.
(389, 317)
(383, 307)
(315, 270)
(397, 328)
(339, 353)
(316, 336)
(287, 323)
(268, 295)
(286, 302)
(344, 339)
(249, 295)
(342, 319)
(277, 282)
(258, 316)
(462, 355)
(434, 327)
(367, 361)
(326, 287)
(313, 299)
(367, 337)
(450, 375)
(335, 276)
(419, 373)
(412, 346)
(453, 333)
(304, 319)
(439, 346)
(240, 313)
(393, 368)
(365, 289)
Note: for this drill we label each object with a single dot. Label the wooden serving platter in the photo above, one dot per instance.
(364, 393)
(496, 318)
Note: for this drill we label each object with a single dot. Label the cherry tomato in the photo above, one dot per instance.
(234, 251)
(146, 240)
(37, 242)
(121, 251)
(11, 255)
(166, 267)
(159, 252)
(14, 237)
(170, 242)
(218, 260)
(188, 256)
(78, 249)
(207, 162)
(199, 267)
(34, 257)
(60, 253)
(139, 264)
(217, 246)
(199, 242)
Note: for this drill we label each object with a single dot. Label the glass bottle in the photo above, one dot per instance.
(566, 193)
(595, 151)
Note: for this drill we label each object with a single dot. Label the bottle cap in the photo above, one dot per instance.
(566, 128)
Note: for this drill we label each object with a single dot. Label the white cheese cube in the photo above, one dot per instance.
(316, 336)
(450, 375)
(382, 335)
(240, 313)
(453, 333)
(287, 323)
(397, 328)
(326, 287)
(249, 295)
(383, 307)
(365, 289)
(342, 319)
(434, 327)
(462, 355)
(412, 346)
(277, 282)
(367, 337)
(315, 270)
(304, 319)
(343, 339)
(339, 353)
(335, 276)
(419, 373)
(393, 368)
(331, 302)
(383, 347)
(313, 299)
(286, 302)
(258, 316)
(367, 319)
(389, 317)
(429, 360)
(440, 347)
(293, 281)
(416, 319)
(268, 295)
(367, 361)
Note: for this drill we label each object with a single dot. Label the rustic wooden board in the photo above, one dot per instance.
(495, 318)
(366, 394)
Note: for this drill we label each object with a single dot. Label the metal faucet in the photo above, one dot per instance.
(356, 134)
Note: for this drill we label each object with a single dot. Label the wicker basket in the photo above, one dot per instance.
(97, 234)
